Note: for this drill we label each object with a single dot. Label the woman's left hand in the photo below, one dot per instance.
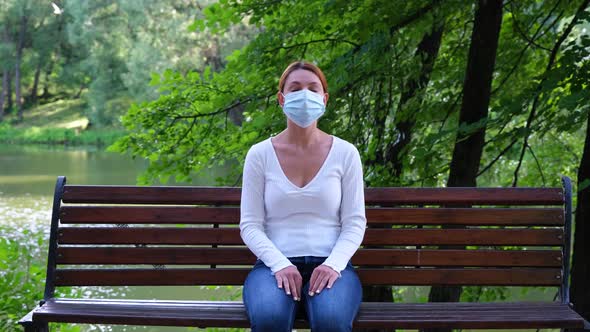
(321, 277)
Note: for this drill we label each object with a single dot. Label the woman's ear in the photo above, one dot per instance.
(280, 99)
(326, 96)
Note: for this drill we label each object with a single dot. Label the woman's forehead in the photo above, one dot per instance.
(302, 76)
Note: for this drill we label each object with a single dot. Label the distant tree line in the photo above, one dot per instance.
(104, 51)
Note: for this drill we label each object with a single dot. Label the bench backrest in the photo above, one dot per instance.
(133, 235)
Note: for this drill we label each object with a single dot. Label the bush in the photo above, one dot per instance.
(38, 135)
(23, 262)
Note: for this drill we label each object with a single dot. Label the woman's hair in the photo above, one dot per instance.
(306, 66)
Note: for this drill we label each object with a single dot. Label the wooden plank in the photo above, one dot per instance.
(151, 195)
(229, 276)
(470, 276)
(373, 196)
(517, 315)
(149, 215)
(466, 216)
(483, 237)
(166, 256)
(144, 235)
(458, 258)
(231, 215)
(371, 314)
(365, 257)
(464, 196)
(231, 236)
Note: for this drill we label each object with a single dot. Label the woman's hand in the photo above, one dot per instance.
(322, 276)
(290, 279)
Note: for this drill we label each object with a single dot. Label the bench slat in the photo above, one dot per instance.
(373, 196)
(231, 215)
(151, 195)
(464, 196)
(243, 256)
(236, 276)
(371, 314)
(231, 236)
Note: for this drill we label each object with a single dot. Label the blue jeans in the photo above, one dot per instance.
(270, 309)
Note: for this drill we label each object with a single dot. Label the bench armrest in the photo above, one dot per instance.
(28, 318)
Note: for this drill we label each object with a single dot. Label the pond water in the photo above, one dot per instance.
(27, 180)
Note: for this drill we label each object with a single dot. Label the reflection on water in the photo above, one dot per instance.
(27, 180)
(34, 169)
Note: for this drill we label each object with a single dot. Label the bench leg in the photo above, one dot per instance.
(36, 327)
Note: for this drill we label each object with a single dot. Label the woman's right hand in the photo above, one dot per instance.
(290, 279)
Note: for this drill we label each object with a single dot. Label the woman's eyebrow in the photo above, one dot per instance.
(299, 83)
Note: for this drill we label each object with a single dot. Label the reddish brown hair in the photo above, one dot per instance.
(306, 66)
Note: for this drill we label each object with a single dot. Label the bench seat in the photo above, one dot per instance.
(371, 314)
(189, 236)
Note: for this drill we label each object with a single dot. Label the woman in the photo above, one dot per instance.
(302, 215)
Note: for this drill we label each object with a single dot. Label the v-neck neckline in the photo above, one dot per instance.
(276, 157)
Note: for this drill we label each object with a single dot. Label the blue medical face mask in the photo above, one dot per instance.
(304, 107)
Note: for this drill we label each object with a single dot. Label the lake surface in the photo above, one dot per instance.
(27, 180)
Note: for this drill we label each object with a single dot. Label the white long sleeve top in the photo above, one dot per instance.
(325, 218)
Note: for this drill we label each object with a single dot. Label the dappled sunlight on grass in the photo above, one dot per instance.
(80, 123)
(57, 114)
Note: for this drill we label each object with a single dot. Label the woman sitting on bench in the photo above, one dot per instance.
(302, 215)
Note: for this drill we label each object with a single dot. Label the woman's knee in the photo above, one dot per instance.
(267, 306)
(271, 312)
(335, 309)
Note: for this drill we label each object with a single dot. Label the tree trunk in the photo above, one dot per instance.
(580, 292)
(9, 102)
(3, 92)
(45, 94)
(427, 51)
(34, 89)
(474, 110)
(5, 76)
(17, 73)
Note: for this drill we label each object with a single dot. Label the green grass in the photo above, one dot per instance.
(58, 114)
(59, 122)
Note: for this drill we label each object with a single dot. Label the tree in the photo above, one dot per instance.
(20, 44)
(580, 294)
(371, 52)
(474, 113)
(572, 72)
(5, 48)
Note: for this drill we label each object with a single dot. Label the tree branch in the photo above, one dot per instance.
(410, 19)
(535, 103)
(524, 35)
(337, 40)
(506, 149)
(538, 165)
(226, 109)
(536, 35)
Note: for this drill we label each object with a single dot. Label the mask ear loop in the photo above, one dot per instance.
(278, 103)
